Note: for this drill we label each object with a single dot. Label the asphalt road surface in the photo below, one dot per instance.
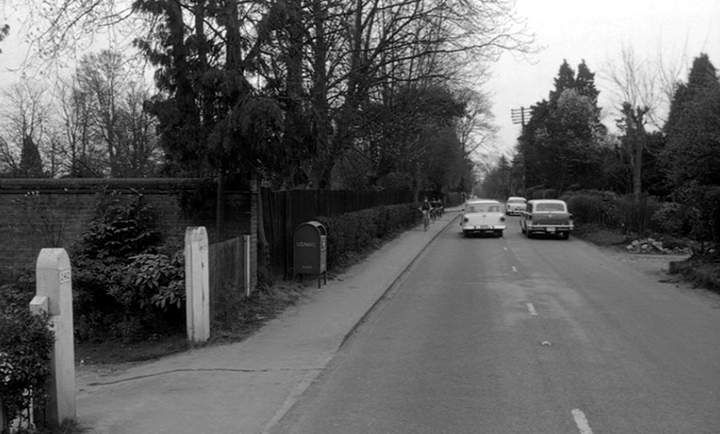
(510, 335)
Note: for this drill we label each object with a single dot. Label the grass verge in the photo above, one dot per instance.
(248, 315)
(701, 271)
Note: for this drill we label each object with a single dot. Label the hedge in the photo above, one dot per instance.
(25, 344)
(356, 231)
(612, 210)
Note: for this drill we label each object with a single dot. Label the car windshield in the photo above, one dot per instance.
(550, 206)
(483, 207)
(516, 201)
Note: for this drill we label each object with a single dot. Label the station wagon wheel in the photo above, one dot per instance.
(565, 235)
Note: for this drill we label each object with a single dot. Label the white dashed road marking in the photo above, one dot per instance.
(581, 421)
(514, 269)
(531, 309)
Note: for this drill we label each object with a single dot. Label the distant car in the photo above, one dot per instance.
(483, 216)
(546, 216)
(515, 205)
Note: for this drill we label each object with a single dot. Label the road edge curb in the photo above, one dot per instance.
(309, 378)
(392, 285)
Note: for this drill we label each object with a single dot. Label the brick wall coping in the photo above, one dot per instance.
(85, 185)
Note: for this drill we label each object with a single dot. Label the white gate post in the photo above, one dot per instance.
(197, 284)
(54, 295)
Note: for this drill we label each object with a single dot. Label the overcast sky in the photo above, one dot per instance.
(596, 30)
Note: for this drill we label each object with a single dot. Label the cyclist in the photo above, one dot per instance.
(437, 207)
(426, 207)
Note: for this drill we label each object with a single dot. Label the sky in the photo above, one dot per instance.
(596, 31)
(593, 30)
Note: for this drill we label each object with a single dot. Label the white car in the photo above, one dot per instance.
(483, 216)
(515, 205)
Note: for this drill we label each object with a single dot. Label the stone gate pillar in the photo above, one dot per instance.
(54, 295)
(197, 284)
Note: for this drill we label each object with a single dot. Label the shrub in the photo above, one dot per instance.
(591, 206)
(704, 203)
(608, 209)
(123, 286)
(25, 344)
(155, 280)
(673, 219)
(356, 231)
(120, 228)
(636, 216)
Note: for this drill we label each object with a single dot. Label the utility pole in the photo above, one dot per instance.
(518, 117)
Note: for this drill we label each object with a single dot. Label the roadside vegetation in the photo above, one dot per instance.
(656, 180)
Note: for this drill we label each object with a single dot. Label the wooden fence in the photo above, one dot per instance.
(283, 211)
(228, 276)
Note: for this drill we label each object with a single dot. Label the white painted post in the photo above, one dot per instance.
(246, 244)
(197, 284)
(54, 295)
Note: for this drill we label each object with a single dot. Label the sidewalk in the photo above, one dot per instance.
(248, 386)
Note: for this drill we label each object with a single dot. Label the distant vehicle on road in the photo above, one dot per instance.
(546, 216)
(515, 205)
(483, 216)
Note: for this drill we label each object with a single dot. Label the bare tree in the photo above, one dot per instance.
(78, 147)
(379, 46)
(639, 94)
(25, 117)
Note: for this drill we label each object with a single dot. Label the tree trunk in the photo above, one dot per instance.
(319, 91)
(637, 169)
(263, 247)
(220, 207)
(293, 136)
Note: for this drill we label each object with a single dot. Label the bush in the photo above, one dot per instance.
(120, 228)
(703, 201)
(124, 287)
(540, 192)
(356, 231)
(673, 219)
(25, 344)
(636, 217)
(591, 206)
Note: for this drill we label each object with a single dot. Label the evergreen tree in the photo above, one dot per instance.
(30, 162)
(585, 82)
(692, 152)
(693, 127)
(564, 80)
(558, 146)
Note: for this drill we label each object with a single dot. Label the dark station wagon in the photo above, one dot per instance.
(548, 217)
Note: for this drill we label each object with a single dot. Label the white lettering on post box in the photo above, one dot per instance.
(305, 244)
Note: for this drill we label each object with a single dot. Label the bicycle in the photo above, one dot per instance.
(426, 219)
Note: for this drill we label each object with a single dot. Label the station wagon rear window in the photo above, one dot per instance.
(483, 208)
(557, 207)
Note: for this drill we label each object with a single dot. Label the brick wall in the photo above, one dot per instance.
(37, 213)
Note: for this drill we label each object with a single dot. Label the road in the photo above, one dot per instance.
(510, 335)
